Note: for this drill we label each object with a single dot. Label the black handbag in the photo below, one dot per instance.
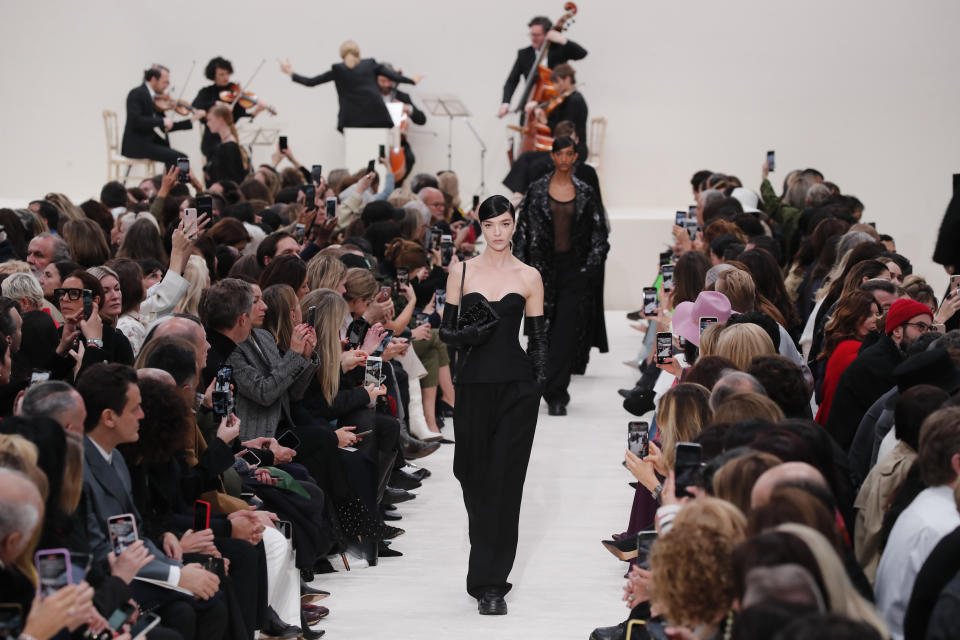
(480, 313)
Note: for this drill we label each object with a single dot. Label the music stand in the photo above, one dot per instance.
(451, 107)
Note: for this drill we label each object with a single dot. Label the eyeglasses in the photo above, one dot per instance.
(922, 326)
(72, 294)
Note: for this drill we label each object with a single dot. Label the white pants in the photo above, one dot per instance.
(283, 577)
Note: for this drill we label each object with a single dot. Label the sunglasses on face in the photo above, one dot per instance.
(71, 294)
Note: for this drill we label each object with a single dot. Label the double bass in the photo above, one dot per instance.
(536, 135)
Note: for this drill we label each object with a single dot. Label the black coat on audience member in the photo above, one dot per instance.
(533, 244)
(867, 378)
(116, 348)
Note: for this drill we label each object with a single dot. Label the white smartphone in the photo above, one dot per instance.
(190, 223)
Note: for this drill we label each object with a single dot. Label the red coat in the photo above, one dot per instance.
(845, 353)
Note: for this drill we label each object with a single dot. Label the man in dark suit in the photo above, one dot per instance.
(561, 50)
(112, 400)
(388, 89)
(142, 132)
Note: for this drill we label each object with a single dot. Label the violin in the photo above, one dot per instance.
(164, 102)
(536, 135)
(246, 99)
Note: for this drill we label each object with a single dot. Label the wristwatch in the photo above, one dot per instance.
(95, 342)
(657, 492)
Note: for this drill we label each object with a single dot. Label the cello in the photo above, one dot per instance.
(537, 136)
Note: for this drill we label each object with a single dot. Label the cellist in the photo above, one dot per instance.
(568, 105)
(390, 93)
(561, 50)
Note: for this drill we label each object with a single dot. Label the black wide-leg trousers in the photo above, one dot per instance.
(494, 425)
(571, 294)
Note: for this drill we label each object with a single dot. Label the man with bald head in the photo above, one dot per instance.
(435, 202)
(188, 329)
(732, 382)
(786, 473)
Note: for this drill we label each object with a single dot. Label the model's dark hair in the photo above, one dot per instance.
(562, 142)
(495, 206)
(543, 21)
(217, 63)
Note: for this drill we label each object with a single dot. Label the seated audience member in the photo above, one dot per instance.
(870, 375)
(55, 400)
(46, 248)
(784, 383)
(112, 399)
(932, 515)
(732, 382)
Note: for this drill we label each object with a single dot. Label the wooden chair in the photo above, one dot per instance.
(115, 160)
(595, 139)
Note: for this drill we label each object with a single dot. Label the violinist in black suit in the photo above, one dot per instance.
(142, 132)
(388, 89)
(361, 104)
(561, 50)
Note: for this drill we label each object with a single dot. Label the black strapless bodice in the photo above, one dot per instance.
(501, 358)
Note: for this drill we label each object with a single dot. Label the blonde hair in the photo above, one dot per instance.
(746, 405)
(740, 289)
(683, 412)
(325, 272)
(15, 266)
(198, 276)
(360, 284)
(741, 343)
(841, 595)
(715, 513)
(23, 285)
(19, 454)
(734, 480)
(331, 310)
(400, 197)
(350, 53)
(66, 208)
(225, 113)
(280, 300)
(709, 337)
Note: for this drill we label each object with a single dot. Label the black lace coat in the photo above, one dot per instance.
(533, 244)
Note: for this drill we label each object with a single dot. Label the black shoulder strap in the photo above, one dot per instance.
(463, 277)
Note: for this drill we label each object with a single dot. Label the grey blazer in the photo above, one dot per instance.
(107, 489)
(266, 382)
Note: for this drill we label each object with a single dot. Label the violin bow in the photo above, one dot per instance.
(244, 87)
(183, 89)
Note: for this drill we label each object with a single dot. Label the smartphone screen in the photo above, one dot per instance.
(316, 173)
(650, 302)
(289, 439)
(638, 434)
(692, 211)
(251, 458)
(706, 322)
(387, 335)
(665, 257)
(681, 218)
(144, 624)
(331, 207)
(312, 316)
(11, 620)
(446, 250)
(667, 271)
(689, 459)
(283, 143)
(356, 332)
(123, 532)
(205, 206)
(184, 165)
(645, 540)
(222, 394)
(954, 283)
(403, 275)
(309, 197)
(190, 223)
(382, 151)
(664, 346)
(692, 226)
(771, 160)
(120, 616)
(38, 376)
(371, 166)
(87, 304)
(476, 202)
(53, 569)
(422, 318)
(372, 374)
(201, 515)
(440, 299)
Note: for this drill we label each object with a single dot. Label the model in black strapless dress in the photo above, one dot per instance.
(494, 422)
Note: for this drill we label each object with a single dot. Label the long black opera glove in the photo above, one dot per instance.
(466, 336)
(537, 346)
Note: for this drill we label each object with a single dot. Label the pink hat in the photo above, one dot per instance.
(686, 316)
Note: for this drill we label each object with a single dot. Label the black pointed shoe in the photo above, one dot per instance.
(491, 603)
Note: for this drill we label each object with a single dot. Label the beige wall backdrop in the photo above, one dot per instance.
(866, 91)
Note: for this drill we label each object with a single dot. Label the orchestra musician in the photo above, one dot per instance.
(390, 93)
(561, 50)
(361, 103)
(218, 71)
(568, 105)
(146, 128)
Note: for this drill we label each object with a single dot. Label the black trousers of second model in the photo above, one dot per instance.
(494, 425)
(564, 326)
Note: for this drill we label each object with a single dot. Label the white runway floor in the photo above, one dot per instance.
(565, 583)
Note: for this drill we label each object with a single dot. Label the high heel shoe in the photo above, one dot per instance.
(366, 549)
(624, 549)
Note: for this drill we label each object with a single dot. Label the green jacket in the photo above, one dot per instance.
(783, 214)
